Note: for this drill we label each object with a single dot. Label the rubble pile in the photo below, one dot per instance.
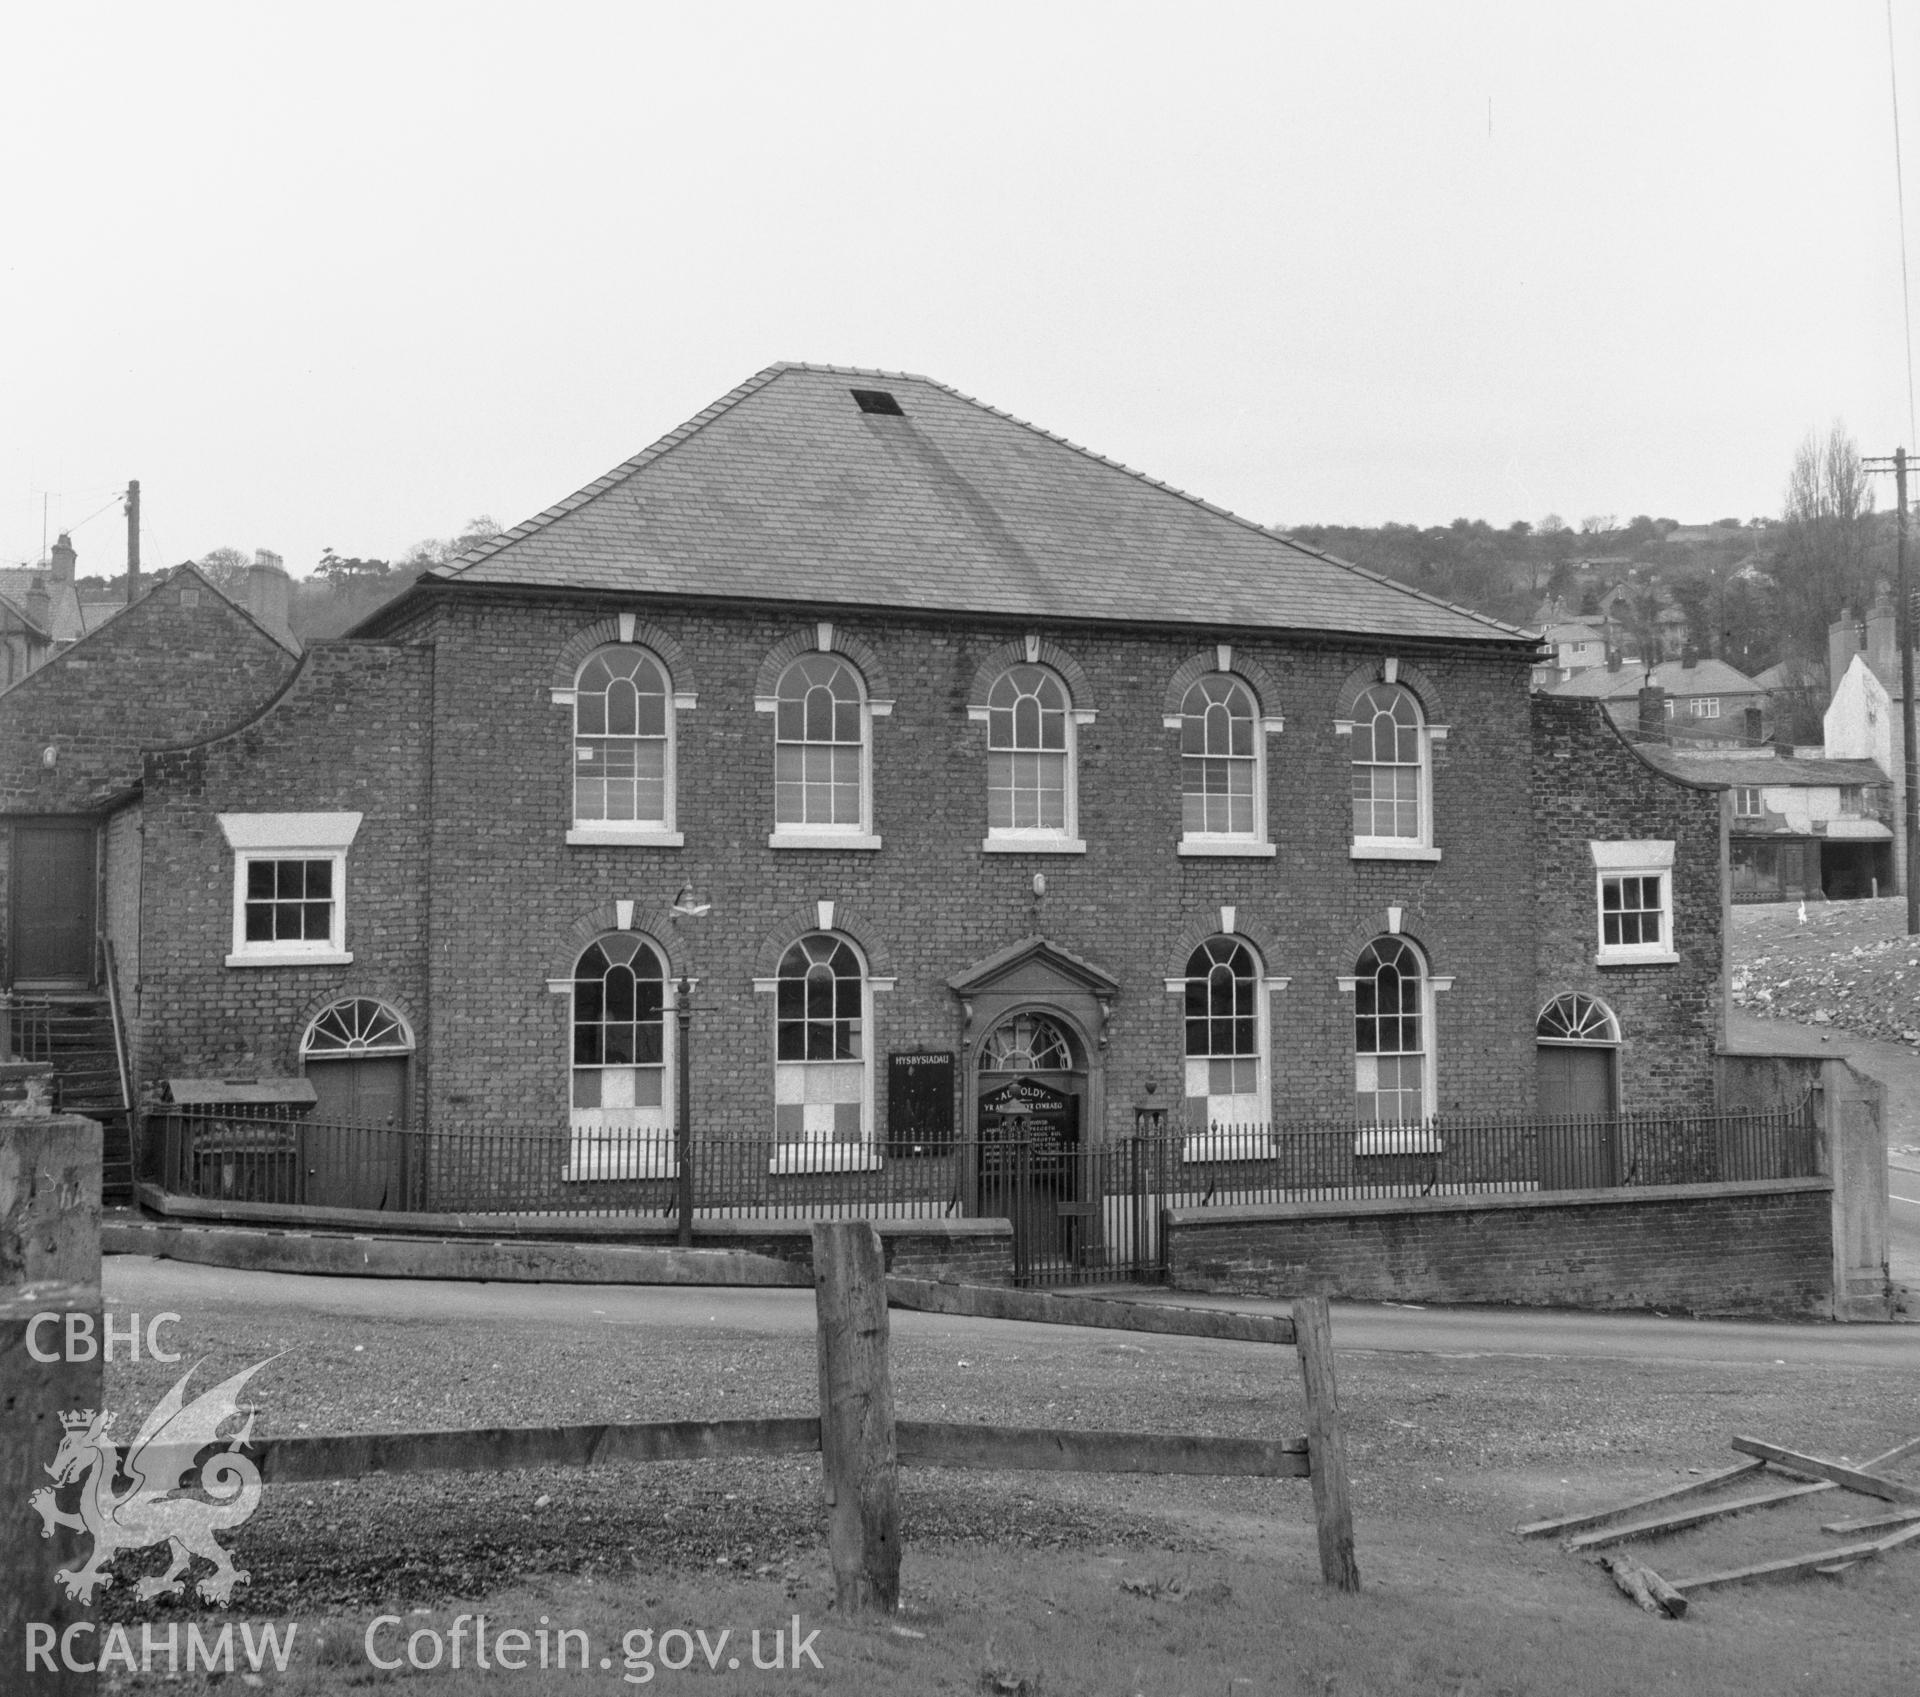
(1848, 965)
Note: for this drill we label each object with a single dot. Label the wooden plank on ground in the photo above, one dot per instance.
(1028, 1449)
(1872, 1522)
(997, 1302)
(1847, 1478)
(1601, 1516)
(1696, 1516)
(1843, 1555)
(355, 1455)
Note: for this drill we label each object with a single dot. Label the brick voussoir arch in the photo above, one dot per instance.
(1413, 929)
(1363, 678)
(845, 643)
(1266, 691)
(802, 921)
(657, 927)
(605, 633)
(1045, 653)
(1263, 941)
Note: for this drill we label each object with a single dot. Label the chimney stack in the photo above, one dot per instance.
(63, 559)
(270, 592)
(1689, 657)
(1653, 713)
(39, 605)
(1883, 648)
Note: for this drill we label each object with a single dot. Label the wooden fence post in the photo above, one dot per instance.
(857, 1447)
(1326, 1444)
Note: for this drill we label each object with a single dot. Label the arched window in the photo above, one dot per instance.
(1390, 800)
(622, 1118)
(1392, 1055)
(622, 742)
(822, 1080)
(1029, 1042)
(1574, 1018)
(820, 762)
(358, 1026)
(1220, 789)
(1030, 778)
(1226, 1035)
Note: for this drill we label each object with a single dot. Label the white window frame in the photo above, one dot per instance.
(1230, 1142)
(862, 835)
(1024, 839)
(1420, 846)
(1424, 1138)
(820, 1157)
(1639, 859)
(256, 837)
(628, 833)
(1741, 794)
(1256, 843)
(1704, 706)
(597, 1151)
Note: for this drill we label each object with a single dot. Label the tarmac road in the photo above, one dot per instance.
(138, 1282)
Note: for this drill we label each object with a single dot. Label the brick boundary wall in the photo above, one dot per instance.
(1763, 1248)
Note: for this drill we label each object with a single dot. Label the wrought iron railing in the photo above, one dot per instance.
(265, 1155)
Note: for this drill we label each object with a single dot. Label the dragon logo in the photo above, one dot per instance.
(152, 1510)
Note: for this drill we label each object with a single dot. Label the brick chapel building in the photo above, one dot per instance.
(947, 760)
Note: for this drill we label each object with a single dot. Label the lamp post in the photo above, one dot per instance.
(685, 906)
(682, 1127)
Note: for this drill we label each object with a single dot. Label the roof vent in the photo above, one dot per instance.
(877, 400)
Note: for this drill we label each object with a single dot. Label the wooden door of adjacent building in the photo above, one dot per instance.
(1580, 1144)
(350, 1155)
(52, 904)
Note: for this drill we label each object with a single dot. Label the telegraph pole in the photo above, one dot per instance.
(133, 541)
(1903, 635)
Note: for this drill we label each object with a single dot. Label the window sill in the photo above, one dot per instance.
(1228, 1146)
(606, 1168)
(824, 1158)
(1393, 851)
(1033, 845)
(1396, 1140)
(330, 957)
(1661, 957)
(1225, 848)
(825, 840)
(625, 836)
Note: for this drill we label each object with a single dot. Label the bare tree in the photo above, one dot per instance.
(1822, 551)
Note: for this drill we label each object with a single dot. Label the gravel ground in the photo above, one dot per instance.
(1440, 1447)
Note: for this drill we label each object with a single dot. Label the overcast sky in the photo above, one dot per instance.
(351, 275)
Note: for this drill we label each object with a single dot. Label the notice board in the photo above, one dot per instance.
(919, 1100)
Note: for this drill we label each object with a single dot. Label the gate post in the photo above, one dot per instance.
(49, 1264)
(1326, 1444)
(857, 1449)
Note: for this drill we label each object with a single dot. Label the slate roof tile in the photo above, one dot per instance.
(784, 490)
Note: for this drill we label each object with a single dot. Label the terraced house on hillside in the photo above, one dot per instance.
(969, 777)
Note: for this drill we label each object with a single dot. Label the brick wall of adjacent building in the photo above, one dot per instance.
(1718, 1249)
(1588, 785)
(180, 664)
(351, 733)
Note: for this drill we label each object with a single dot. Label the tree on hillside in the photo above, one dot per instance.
(1821, 550)
(349, 572)
(227, 567)
(437, 551)
(1696, 596)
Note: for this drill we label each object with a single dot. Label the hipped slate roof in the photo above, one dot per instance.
(1704, 677)
(786, 490)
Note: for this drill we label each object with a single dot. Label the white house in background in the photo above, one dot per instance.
(1863, 722)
